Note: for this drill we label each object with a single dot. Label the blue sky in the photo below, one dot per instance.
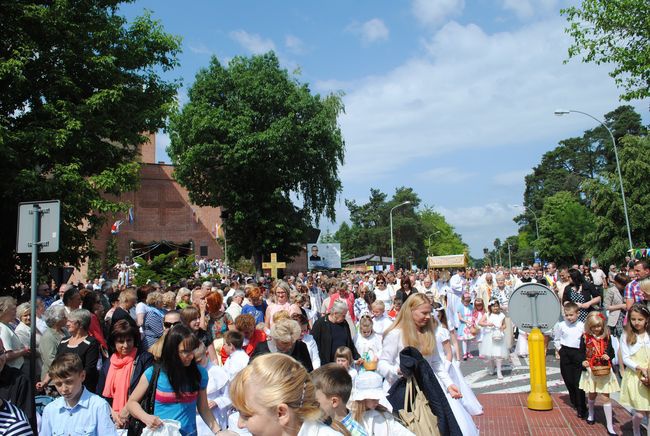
(454, 98)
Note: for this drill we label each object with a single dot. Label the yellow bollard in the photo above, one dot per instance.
(539, 398)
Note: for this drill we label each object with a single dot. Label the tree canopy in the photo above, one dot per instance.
(79, 87)
(614, 32)
(256, 142)
(413, 230)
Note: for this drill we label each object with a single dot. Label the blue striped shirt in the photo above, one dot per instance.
(13, 421)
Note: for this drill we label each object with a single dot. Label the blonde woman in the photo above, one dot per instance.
(275, 396)
(282, 292)
(415, 327)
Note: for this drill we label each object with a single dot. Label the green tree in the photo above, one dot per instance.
(250, 140)
(614, 32)
(444, 239)
(564, 226)
(78, 87)
(608, 240)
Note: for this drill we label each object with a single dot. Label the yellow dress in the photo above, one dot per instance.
(603, 384)
(633, 393)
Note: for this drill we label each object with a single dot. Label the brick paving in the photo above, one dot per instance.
(507, 414)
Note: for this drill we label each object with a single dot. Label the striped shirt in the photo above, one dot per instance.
(13, 421)
(353, 426)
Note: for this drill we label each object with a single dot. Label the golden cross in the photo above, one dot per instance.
(274, 265)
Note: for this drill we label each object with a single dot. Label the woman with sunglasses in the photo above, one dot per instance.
(383, 292)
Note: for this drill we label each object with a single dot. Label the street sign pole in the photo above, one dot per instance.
(36, 213)
(34, 218)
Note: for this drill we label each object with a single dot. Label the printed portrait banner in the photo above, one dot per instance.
(323, 256)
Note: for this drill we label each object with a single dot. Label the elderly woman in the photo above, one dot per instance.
(332, 331)
(236, 301)
(169, 301)
(152, 326)
(285, 339)
(81, 344)
(183, 298)
(282, 291)
(127, 364)
(15, 351)
(24, 332)
(56, 318)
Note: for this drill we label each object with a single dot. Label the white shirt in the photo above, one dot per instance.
(379, 325)
(598, 276)
(389, 360)
(313, 350)
(237, 361)
(383, 424)
(627, 351)
(457, 284)
(234, 310)
(568, 335)
(370, 345)
(312, 428)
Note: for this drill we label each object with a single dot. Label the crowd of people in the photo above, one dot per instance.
(316, 353)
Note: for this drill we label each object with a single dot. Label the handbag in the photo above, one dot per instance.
(416, 414)
(136, 426)
(497, 335)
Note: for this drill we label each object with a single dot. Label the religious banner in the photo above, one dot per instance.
(323, 256)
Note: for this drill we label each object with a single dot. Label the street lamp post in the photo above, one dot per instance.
(561, 112)
(509, 256)
(534, 215)
(437, 232)
(392, 251)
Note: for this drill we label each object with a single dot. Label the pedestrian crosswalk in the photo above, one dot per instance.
(516, 376)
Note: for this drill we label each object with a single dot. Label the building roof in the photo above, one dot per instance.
(371, 258)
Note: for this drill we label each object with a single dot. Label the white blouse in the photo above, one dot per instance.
(389, 360)
(627, 351)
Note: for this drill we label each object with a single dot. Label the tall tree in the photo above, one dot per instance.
(78, 87)
(608, 240)
(250, 140)
(564, 226)
(615, 32)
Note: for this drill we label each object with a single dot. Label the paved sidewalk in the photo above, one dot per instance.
(507, 414)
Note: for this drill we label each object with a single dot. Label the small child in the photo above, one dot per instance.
(477, 314)
(464, 330)
(367, 342)
(494, 346)
(596, 349)
(77, 408)
(371, 408)
(397, 306)
(345, 359)
(380, 321)
(567, 342)
(635, 353)
(333, 387)
(217, 391)
(233, 342)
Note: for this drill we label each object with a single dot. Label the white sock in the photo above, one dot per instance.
(464, 343)
(499, 368)
(590, 405)
(636, 424)
(607, 408)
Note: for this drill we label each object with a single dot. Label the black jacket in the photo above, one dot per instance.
(589, 292)
(15, 387)
(300, 352)
(143, 360)
(323, 337)
(413, 364)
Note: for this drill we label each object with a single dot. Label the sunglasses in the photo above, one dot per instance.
(381, 283)
(169, 325)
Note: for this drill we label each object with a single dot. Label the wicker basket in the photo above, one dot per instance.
(370, 365)
(600, 370)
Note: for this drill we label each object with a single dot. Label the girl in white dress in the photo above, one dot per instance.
(415, 327)
(494, 346)
(367, 342)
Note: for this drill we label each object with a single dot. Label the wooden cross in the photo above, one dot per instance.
(274, 265)
(162, 204)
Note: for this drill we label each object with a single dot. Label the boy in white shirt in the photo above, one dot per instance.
(233, 341)
(380, 321)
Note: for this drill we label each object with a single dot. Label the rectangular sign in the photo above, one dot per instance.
(49, 237)
(323, 256)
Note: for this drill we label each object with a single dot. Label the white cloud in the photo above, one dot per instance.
(200, 49)
(469, 91)
(433, 12)
(294, 44)
(510, 178)
(444, 175)
(371, 31)
(525, 9)
(252, 42)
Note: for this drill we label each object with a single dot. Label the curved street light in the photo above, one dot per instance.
(392, 252)
(560, 112)
(534, 215)
(437, 232)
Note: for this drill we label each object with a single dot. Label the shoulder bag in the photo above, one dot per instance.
(136, 426)
(417, 415)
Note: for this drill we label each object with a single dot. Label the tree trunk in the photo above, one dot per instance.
(257, 261)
